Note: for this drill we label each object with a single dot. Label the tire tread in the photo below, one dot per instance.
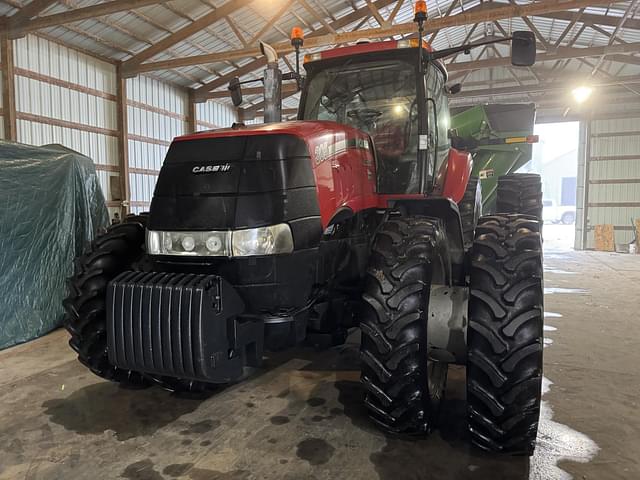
(504, 372)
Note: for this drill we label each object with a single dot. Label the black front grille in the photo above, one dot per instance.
(251, 181)
(173, 324)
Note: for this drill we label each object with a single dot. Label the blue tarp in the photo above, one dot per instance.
(51, 207)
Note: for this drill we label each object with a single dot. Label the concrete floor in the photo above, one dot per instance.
(301, 416)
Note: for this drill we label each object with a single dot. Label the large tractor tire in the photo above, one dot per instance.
(113, 252)
(121, 248)
(520, 193)
(505, 334)
(470, 210)
(403, 388)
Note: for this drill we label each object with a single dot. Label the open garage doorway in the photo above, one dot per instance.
(555, 158)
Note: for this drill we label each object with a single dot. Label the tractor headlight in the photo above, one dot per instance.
(270, 240)
(262, 241)
(189, 243)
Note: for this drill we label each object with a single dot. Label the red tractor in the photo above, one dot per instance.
(261, 237)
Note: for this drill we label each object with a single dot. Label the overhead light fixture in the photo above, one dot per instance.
(581, 94)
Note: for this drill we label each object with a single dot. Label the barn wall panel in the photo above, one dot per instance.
(66, 97)
(612, 177)
(157, 112)
(211, 115)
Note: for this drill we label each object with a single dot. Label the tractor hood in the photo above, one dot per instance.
(247, 177)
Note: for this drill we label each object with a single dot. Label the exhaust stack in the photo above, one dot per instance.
(272, 85)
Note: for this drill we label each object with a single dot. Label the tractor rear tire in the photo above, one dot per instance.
(505, 334)
(110, 254)
(520, 193)
(403, 389)
(470, 210)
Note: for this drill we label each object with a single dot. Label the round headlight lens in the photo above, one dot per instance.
(188, 243)
(167, 242)
(214, 244)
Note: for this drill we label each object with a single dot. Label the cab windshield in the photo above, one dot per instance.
(378, 98)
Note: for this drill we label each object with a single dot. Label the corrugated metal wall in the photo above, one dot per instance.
(64, 96)
(610, 178)
(157, 113)
(211, 115)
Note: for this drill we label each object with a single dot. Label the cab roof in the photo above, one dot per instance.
(365, 47)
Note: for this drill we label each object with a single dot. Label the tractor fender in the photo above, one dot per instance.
(452, 179)
(342, 214)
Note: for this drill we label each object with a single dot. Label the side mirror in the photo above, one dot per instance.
(453, 89)
(523, 48)
(236, 91)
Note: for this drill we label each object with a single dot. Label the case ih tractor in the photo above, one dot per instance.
(362, 213)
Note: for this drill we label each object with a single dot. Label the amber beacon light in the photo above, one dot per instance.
(420, 11)
(297, 40)
(297, 35)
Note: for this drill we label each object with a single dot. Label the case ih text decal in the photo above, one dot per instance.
(211, 168)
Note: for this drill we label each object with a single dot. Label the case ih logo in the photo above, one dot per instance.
(211, 168)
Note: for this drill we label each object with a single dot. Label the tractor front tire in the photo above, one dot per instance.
(505, 334)
(520, 193)
(470, 210)
(110, 254)
(402, 388)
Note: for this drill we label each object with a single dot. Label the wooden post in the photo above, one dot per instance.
(192, 117)
(8, 89)
(123, 139)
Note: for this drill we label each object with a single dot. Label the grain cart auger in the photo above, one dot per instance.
(259, 237)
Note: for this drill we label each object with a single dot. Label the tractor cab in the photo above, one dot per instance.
(392, 90)
(372, 87)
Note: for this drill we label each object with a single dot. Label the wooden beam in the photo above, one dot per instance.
(591, 18)
(285, 111)
(8, 89)
(29, 11)
(21, 72)
(396, 9)
(560, 54)
(563, 83)
(56, 122)
(537, 33)
(130, 67)
(249, 113)
(468, 18)
(286, 88)
(201, 92)
(236, 31)
(78, 14)
(629, 59)
(316, 15)
(569, 27)
(271, 22)
(123, 139)
(381, 21)
(448, 12)
(192, 120)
